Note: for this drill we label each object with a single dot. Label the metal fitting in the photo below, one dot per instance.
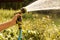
(23, 10)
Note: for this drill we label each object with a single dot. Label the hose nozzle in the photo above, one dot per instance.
(23, 10)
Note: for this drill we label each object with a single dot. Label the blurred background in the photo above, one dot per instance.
(37, 25)
(14, 4)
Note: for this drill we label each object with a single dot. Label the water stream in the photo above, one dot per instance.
(43, 5)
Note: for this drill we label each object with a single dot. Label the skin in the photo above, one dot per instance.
(10, 23)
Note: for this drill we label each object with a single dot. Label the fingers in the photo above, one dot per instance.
(17, 15)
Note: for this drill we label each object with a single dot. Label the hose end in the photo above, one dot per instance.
(23, 10)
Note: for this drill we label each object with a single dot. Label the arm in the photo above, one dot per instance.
(10, 23)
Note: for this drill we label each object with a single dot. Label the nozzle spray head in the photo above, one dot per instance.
(23, 10)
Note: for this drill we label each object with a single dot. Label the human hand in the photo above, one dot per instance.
(17, 17)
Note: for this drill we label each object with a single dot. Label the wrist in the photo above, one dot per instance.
(13, 21)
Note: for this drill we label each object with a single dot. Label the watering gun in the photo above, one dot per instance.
(19, 19)
(19, 22)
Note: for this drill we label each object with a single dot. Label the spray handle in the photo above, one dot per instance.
(19, 20)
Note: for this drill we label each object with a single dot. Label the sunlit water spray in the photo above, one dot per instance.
(43, 5)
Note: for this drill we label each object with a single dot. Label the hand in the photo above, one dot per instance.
(16, 17)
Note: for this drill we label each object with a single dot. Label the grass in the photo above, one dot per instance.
(35, 27)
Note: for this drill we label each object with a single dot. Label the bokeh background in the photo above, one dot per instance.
(38, 25)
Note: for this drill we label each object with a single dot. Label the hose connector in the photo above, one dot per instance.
(23, 10)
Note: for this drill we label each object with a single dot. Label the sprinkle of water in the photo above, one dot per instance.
(43, 5)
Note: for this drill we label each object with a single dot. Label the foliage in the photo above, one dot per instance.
(15, 5)
(35, 27)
